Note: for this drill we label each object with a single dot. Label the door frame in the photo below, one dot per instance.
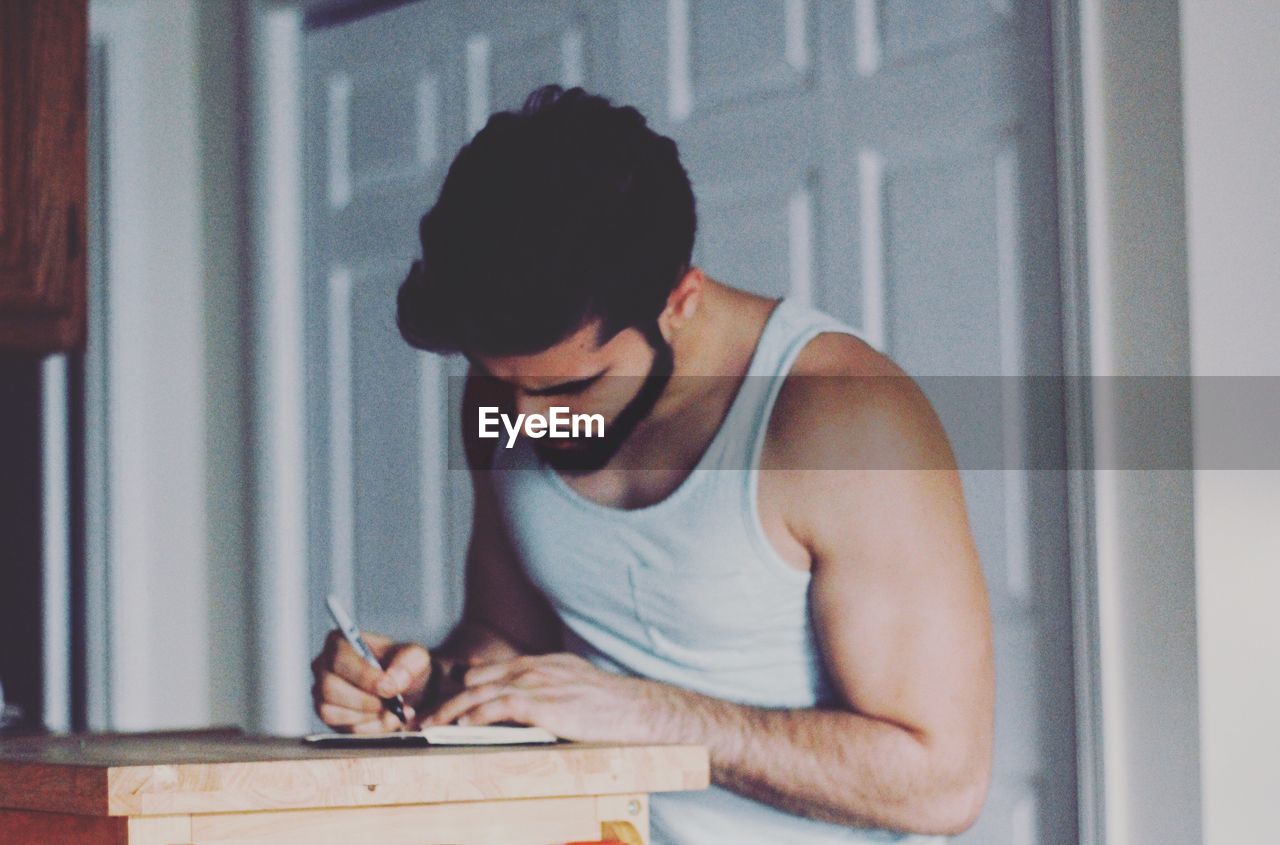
(280, 579)
(1123, 259)
(1073, 280)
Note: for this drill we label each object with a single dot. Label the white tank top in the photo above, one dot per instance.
(689, 591)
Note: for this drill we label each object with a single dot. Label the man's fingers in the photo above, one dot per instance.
(490, 673)
(504, 708)
(408, 666)
(377, 643)
(346, 720)
(542, 664)
(353, 668)
(337, 716)
(335, 690)
(387, 724)
(464, 701)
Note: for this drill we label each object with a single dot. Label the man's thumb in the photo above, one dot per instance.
(406, 671)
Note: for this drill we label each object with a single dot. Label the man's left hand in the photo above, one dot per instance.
(560, 692)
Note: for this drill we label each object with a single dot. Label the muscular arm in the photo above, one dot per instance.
(901, 612)
(504, 616)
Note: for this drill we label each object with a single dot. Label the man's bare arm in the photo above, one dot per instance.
(505, 615)
(900, 608)
(827, 764)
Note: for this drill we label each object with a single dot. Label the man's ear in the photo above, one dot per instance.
(683, 302)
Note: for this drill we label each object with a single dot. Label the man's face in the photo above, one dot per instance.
(621, 379)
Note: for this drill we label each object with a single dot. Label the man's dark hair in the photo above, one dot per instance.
(567, 211)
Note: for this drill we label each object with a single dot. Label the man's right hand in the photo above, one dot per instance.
(347, 690)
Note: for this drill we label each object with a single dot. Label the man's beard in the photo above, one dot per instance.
(591, 454)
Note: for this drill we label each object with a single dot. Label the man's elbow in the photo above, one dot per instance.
(948, 809)
(950, 794)
(958, 808)
(956, 804)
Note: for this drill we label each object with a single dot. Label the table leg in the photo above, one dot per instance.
(624, 818)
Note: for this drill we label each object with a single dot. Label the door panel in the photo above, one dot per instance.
(384, 114)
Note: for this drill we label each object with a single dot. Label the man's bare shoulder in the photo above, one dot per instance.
(845, 405)
(839, 354)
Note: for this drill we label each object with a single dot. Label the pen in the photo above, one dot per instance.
(349, 630)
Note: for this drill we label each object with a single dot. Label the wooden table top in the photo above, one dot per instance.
(229, 771)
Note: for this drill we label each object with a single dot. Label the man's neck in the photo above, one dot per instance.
(715, 341)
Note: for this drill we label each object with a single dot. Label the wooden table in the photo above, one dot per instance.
(226, 788)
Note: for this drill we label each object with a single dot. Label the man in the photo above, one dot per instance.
(767, 553)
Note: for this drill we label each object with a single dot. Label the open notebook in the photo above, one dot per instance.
(439, 735)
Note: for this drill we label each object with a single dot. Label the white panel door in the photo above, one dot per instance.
(890, 161)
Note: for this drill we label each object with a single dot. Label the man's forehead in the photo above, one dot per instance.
(578, 356)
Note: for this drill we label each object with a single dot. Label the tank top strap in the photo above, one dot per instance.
(786, 332)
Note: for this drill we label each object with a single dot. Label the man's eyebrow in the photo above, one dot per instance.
(567, 388)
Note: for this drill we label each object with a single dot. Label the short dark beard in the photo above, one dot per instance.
(595, 453)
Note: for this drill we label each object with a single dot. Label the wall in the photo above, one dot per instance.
(175, 455)
(1231, 109)
(223, 93)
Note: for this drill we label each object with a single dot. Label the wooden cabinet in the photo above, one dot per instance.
(43, 48)
(225, 788)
